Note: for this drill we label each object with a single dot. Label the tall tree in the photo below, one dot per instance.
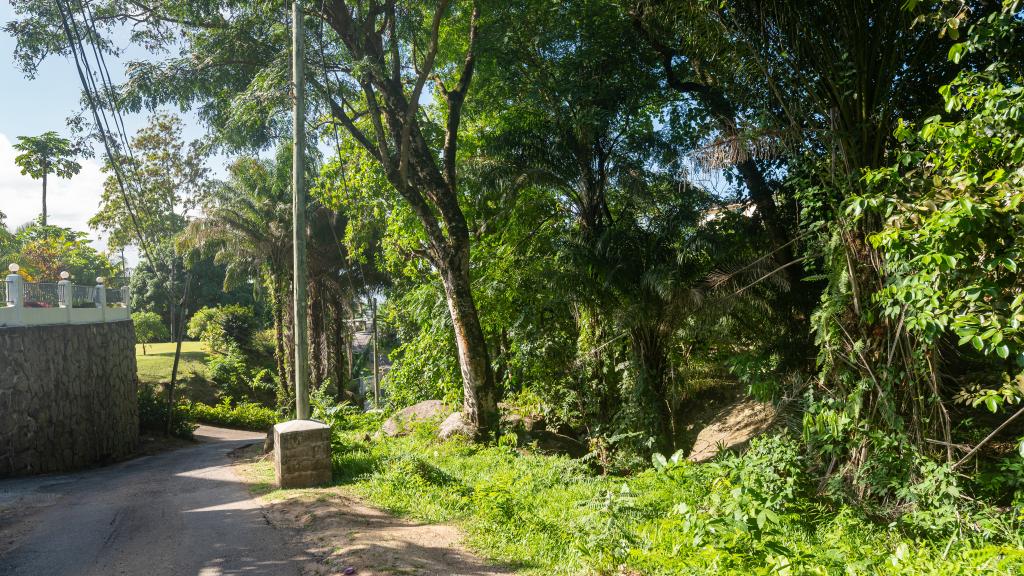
(418, 153)
(858, 68)
(167, 179)
(46, 154)
(393, 75)
(577, 118)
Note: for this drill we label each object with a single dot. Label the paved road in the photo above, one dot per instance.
(178, 513)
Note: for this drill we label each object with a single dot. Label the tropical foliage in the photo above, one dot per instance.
(612, 219)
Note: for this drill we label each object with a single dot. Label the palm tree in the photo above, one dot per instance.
(46, 154)
(247, 225)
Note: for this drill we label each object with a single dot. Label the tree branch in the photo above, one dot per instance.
(455, 99)
(338, 113)
(414, 100)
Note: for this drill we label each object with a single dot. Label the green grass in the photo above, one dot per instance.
(155, 366)
(754, 514)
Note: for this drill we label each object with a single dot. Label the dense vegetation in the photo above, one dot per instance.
(753, 513)
(603, 215)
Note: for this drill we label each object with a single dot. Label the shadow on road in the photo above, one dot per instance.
(176, 513)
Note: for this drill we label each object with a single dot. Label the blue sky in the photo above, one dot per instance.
(31, 107)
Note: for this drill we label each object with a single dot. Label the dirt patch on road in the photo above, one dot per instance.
(17, 518)
(349, 537)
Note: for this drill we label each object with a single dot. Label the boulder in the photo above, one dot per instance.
(454, 425)
(399, 423)
(513, 422)
(732, 428)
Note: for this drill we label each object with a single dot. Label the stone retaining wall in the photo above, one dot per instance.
(68, 396)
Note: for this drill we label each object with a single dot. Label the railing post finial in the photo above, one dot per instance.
(15, 287)
(64, 291)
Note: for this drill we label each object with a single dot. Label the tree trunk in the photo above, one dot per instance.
(279, 352)
(479, 402)
(315, 327)
(652, 363)
(340, 350)
(44, 199)
(178, 337)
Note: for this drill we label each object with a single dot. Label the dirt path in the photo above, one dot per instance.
(343, 533)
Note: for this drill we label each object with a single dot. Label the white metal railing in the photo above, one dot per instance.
(41, 303)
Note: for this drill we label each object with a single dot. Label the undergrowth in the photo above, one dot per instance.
(243, 415)
(153, 415)
(755, 513)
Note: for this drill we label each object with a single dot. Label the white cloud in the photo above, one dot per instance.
(70, 203)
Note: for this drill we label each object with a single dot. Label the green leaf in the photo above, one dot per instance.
(1003, 351)
(956, 52)
(659, 461)
(992, 404)
(977, 343)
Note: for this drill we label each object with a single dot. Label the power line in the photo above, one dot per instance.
(75, 44)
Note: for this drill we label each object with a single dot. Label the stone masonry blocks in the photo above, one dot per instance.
(302, 453)
(68, 396)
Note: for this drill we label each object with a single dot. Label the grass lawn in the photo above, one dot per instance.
(154, 369)
(155, 365)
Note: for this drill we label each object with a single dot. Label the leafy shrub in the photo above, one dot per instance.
(244, 415)
(425, 364)
(222, 328)
(153, 415)
(230, 372)
(202, 323)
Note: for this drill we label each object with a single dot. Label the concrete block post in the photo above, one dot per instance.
(126, 297)
(65, 296)
(302, 454)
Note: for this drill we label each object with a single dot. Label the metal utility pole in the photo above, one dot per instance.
(299, 215)
(376, 384)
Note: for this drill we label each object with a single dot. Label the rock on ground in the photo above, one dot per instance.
(733, 428)
(399, 423)
(454, 425)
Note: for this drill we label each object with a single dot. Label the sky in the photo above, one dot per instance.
(31, 107)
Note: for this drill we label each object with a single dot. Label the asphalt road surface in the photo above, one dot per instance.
(179, 513)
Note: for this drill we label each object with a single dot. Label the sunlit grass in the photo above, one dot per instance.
(155, 366)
